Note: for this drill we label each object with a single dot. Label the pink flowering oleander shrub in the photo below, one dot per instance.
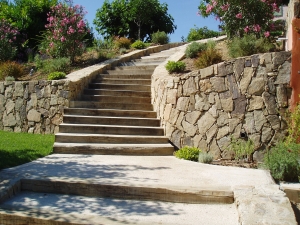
(65, 31)
(8, 37)
(242, 17)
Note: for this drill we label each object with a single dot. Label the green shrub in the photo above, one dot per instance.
(194, 48)
(249, 45)
(122, 42)
(205, 157)
(138, 45)
(122, 50)
(207, 58)
(52, 65)
(160, 38)
(9, 78)
(201, 33)
(283, 161)
(56, 76)
(11, 69)
(241, 148)
(188, 153)
(175, 67)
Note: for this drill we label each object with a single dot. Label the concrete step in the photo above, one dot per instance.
(116, 99)
(151, 59)
(110, 129)
(122, 68)
(110, 92)
(114, 149)
(130, 72)
(109, 139)
(123, 87)
(109, 112)
(123, 81)
(142, 63)
(72, 209)
(99, 105)
(124, 121)
(124, 76)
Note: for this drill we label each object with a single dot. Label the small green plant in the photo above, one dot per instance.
(9, 78)
(122, 42)
(122, 50)
(11, 69)
(56, 76)
(207, 58)
(241, 148)
(138, 45)
(194, 48)
(52, 65)
(249, 45)
(175, 67)
(160, 38)
(188, 153)
(205, 157)
(283, 161)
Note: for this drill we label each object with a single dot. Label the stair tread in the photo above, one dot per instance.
(112, 117)
(100, 125)
(110, 145)
(110, 135)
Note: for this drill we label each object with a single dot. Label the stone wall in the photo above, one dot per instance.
(37, 106)
(246, 97)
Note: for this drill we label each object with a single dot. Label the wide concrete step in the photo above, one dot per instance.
(130, 121)
(123, 87)
(130, 72)
(114, 149)
(110, 129)
(73, 209)
(151, 67)
(110, 92)
(99, 105)
(123, 76)
(109, 112)
(142, 63)
(123, 81)
(151, 59)
(116, 99)
(109, 139)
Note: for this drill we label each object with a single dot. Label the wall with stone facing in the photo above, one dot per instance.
(37, 106)
(204, 108)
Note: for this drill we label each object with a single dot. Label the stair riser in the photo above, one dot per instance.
(122, 68)
(124, 76)
(110, 140)
(151, 59)
(96, 105)
(126, 192)
(111, 130)
(115, 113)
(112, 121)
(115, 99)
(117, 93)
(130, 72)
(120, 87)
(119, 81)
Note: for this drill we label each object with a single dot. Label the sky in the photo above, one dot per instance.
(184, 14)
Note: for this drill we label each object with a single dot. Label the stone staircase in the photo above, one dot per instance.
(115, 114)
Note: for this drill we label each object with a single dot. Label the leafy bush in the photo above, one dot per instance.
(8, 35)
(194, 48)
(205, 157)
(188, 153)
(122, 50)
(122, 42)
(9, 78)
(56, 76)
(207, 58)
(11, 69)
(201, 33)
(103, 44)
(249, 45)
(138, 45)
(175, 67)
(160, 38)
(241, 148)
(52, 65)
(283, 161)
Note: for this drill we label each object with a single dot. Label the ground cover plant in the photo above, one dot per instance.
(20, 148)
(188, 153)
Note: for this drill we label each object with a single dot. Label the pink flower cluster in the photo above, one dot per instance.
(7, 32)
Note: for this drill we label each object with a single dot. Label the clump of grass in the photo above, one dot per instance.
(205, 157)
(20, 148)
(175, 67)
(188, 153)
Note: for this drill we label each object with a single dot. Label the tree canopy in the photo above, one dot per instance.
(136, 19)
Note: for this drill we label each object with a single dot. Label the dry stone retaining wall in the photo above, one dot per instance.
(246, 97)
(37, 106)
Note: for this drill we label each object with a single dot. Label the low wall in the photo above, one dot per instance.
(37, 106)
(246, 97)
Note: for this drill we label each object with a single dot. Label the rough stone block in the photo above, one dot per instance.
(238, 68)
(205, 122)
(256, 86)
(207, 72)
(218, 84)
(256, 102)
(246, 79)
